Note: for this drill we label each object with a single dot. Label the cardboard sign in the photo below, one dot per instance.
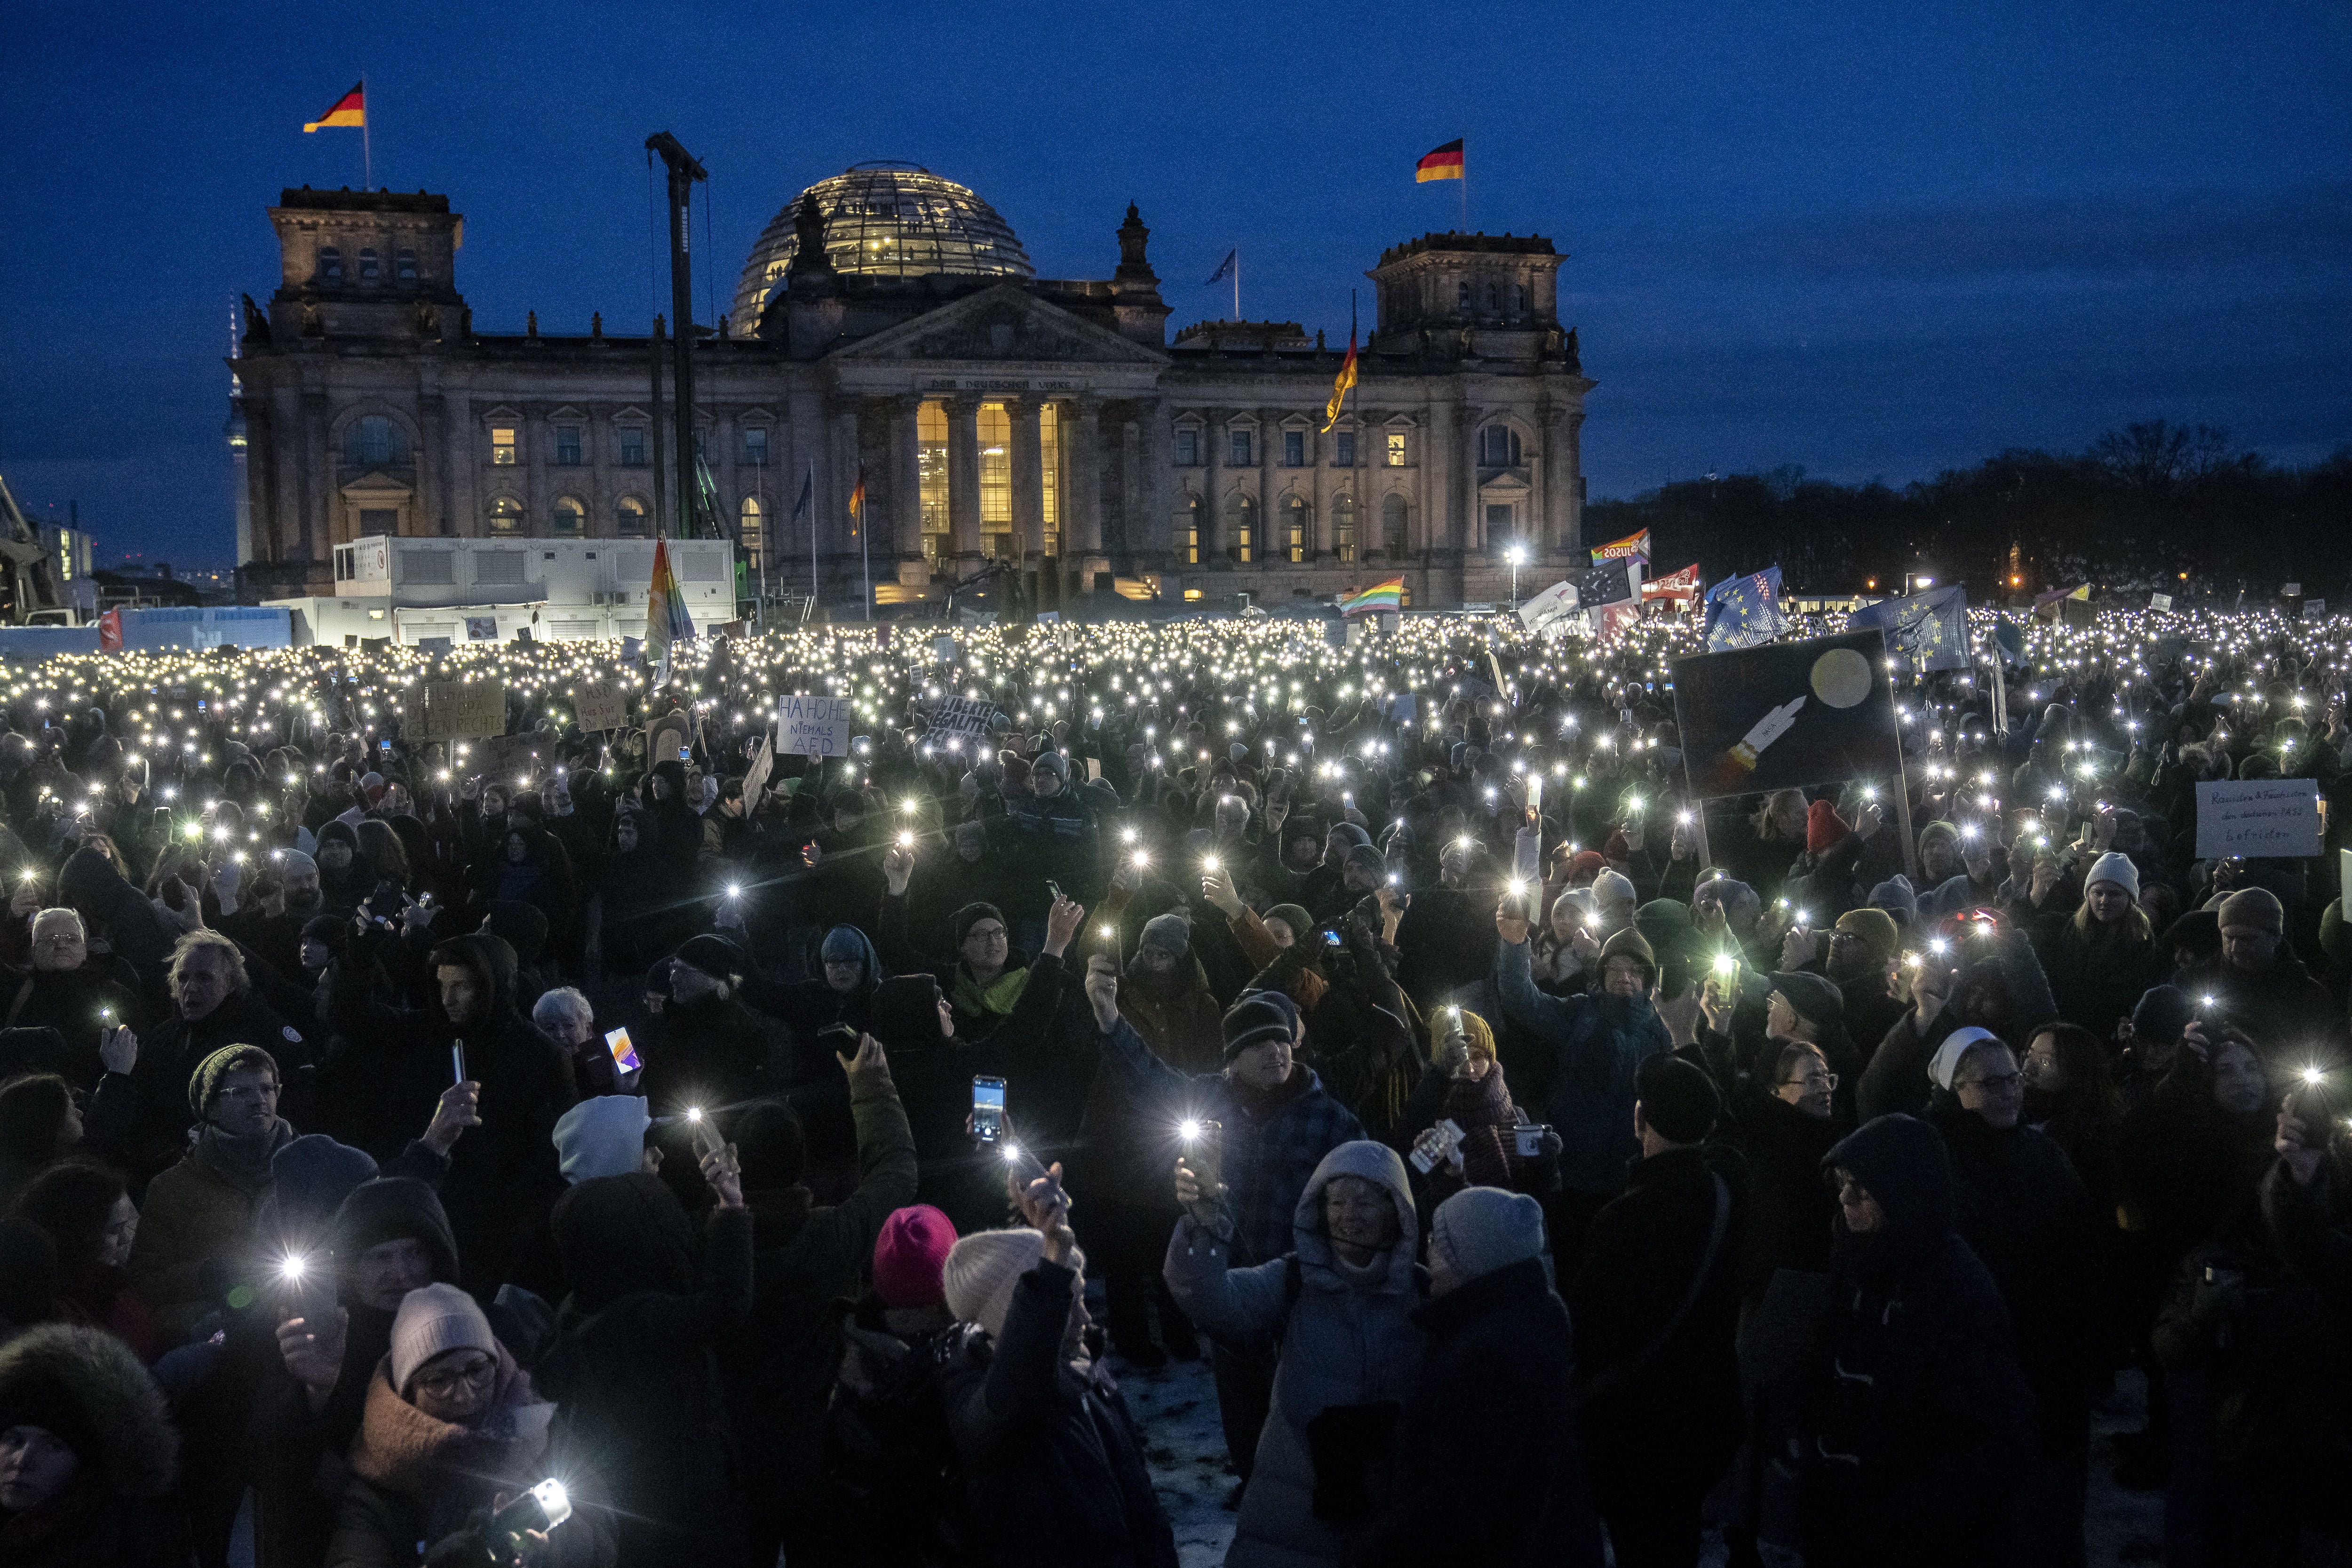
(813, 726)
(943, 650)
(2159, 601)
(2314, 608)
(1785, 715)
(2266, 819)
(453, 711)
(482, 628)
(755, 780)
(601, 704)
(962, 716)
(509, 759)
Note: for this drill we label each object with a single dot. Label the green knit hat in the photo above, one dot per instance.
(205, 1081)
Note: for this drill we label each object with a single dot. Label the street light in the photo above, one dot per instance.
(1517, 556)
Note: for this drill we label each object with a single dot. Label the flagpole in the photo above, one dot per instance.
(865, 546)
(812, 511)
(367, 150)
(1237, 281)
(1465, 186)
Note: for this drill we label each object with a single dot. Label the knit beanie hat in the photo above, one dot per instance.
(295, 860)
(2253, 908)
(959, 923)
(847, 945)
(603, 1135)
(1477, 1032)
(2163, 1014)
(310, 1176)
(1352, 836)
(713, 955)
(1481, 1229)
(396, 1208)
(205, 1081)
(1824, 831)
(1586, 863)
(1876, 930)
(1937, 830)
(1815, 999)
(1630, 943)
(1292, 915)
(1052, 763)
(433, 1319)
(2116, 868)
(1171, 932)
(1946, 1059)
(1258, 1018)
(1367, 860)
(1896, 896)
(982, 1270)
(1612, 888)
(909, 1254)
(1677, 1099)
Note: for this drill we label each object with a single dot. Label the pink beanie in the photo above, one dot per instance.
(909, 1254)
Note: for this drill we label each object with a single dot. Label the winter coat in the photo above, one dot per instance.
(635, 1373)
(1790, 1211)
(2097, 977)
(1916, 1420)
(194, 1229)
(1183, 1027)
(119, 1509)
(1515, 1496)
(2287, 1013)
(1349, 1338)
(1272, 1144)
(156, 1133)
(1661, 1425)
(1053, 1466)
(712, 1051)
(74, 1003)
(1598, 1042)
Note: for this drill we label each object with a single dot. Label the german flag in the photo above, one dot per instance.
(349, 110)
(1342, 382)
(1444, 164)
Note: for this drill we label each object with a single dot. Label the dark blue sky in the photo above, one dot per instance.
(1855, 237)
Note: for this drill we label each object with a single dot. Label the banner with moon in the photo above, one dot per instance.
(1787, 715)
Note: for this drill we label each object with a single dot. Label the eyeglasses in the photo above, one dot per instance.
(985, 933)
(1813, 1080)
(250, 1091)
(1993, 1082)
(478, 1373)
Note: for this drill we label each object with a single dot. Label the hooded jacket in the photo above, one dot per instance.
(1599, 1043)
(119, 1508)
(1348, 1339)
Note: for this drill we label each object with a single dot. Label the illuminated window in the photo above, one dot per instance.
(567, 445)
(1188, 446)
(1049, 453)
(330, 265)
(1392, 526)
(1294, 448)
(1192, 531)
(569, 520)
(755, 445)
(1237, 448)
(1241, 529)
(1396, 448)
(995, 481)
(1343, 449)
(506, 516)
(1294, 528)
(755, 537)
(502, 445)
(1343, 527)
(932, 477)
(633, 445)
(630, 519)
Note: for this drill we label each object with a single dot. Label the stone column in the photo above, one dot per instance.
(810, 465)
(963, 483)
(319, 497)
(907, 488)
(1027, 452)
(1215, 539)
(842, 442)
(1082, 518)
(720, 456)
(535, 434)
(461, 467)
(1572, 481)
(431, 500)
(1148, 538)
(1272, 544)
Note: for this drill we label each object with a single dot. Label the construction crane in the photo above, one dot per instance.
(28, 582)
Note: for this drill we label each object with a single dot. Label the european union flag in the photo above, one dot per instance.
(1745, 611)
(1609, 583)
(1924, 631)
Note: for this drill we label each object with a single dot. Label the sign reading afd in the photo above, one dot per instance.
(813, 726)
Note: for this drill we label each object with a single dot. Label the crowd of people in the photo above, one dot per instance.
(640, 1146)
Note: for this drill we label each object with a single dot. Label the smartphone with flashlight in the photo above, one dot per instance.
(624, 1055)
(1204, 1153)
(1053, 890)
(987, 1109)
(305, 1288)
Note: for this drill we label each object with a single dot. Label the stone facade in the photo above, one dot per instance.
(1001, 417)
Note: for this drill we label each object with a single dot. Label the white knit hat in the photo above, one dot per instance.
(2116, 868)
(603, 1135)
(1481, 1229)
(1946, 1059)
(983, 1269)
(433, 1319)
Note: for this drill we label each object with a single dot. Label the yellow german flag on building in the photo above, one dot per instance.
(1443, 163)
(1342, 382)
(349, 110)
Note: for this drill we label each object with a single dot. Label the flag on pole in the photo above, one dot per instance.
(858, 496)
(1924, 631)
(1745, 611)
(667, 620)
(1636, 545)
(1682, 584)
(1224, 268)
(1441, 163)
(1387, 596)
(1340, 384)
(349, 110)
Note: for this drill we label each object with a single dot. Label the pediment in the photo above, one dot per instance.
(376, 485)
(1006, 324)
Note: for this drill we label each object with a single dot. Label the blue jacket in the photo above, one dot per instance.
(1267, 1163)
(1597, 1043)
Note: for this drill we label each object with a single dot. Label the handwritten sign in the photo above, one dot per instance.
(2259, 818)
(813, 726)
(963, 716)
(601, 704)
(453, 711)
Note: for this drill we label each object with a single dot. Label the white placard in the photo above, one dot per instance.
(2344, 879)
(2259, 818)
(813, 726)
(2159, 601)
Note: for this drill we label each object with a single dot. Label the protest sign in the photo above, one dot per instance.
(813, 726)
(2315, 609)
(2159, 601)
(962, 716)
(2258, 819)
(1785, 715)
(601, 704)
(671, 740)
(482, 628)
(755, 779)
(513, 758)
(452, 710)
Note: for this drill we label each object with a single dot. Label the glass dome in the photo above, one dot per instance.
(884, 220)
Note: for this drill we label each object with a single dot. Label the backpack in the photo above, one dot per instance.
(897, 1495)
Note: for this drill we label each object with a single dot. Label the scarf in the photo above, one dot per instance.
(241, 1159)
(995, 999)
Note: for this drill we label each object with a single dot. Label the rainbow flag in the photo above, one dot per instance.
(1634, 547)
(667, 620)
(349, 110)
(1440, 163)
(1387, 596)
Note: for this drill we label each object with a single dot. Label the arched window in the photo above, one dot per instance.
(1293, 530)
(1519, 298)
(506, 516)
(752, 521)
(1241, 529)
(1392, 526)
(569, 520)
(1462, 297)
(403, 264)
(330, 265)
(1343, 527)
(1493, 302)
(1498, 446)
(374, 441)
(630, 519)
(371, 269)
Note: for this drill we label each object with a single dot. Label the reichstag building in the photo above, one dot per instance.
(889, 331)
